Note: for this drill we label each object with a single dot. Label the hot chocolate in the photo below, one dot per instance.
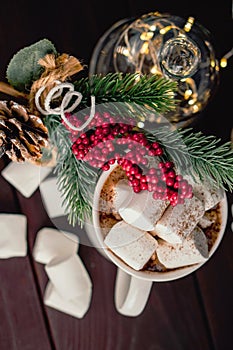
(162, 253)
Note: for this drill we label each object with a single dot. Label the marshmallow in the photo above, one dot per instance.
(193, 250)
(206, 192)
(13, 235)
(106, 223)
(178, 221)
(123, 194)
(119, 196)
(69, 276)
(205, 222)
(143, 211)
(25, 177)
(51, 242)
(108, 192)
(132, 245)
(76, 307)
(52, 198)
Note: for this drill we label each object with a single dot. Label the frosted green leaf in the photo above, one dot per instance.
(23, 69)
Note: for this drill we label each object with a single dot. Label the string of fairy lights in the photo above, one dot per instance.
(158, 44)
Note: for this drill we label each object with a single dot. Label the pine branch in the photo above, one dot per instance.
(197, 153)
(76, 181)
(192, 153)
(150, 92)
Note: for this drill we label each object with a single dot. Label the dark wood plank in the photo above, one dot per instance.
(216, 283)
(22, 324)
(169, 306)
(165, 321)
(37, 219)
(22, 321)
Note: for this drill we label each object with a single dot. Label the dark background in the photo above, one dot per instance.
(192, 313)
(75, 27)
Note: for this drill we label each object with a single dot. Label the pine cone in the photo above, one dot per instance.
(22, 134)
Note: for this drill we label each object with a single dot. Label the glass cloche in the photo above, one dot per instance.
(165, 45)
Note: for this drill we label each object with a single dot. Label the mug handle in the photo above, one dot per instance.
(131, 293)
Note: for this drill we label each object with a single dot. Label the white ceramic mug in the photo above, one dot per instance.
(132, 287)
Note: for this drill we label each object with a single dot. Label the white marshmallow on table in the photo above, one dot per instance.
(179, 221)
(69, 276)
(132, 245)
(76, 307)
(52, 198)
(51, 242)
(206, 192)
(193, 250)
(13, 235)
(143, 211)
(25, 177)
(69, 288)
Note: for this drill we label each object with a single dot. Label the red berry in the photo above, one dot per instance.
(171, 173)
(155, 145)
(143, 179)
(159, 152)
(134, 169)
(137, 189)
(152, 171)
(106, 167)
(155, 195)
(170, 181)
(111, 161)
(176, 184)
(169, 165)
(143, 186)
(179, 177)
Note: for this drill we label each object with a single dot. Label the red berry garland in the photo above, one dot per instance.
(109, 140)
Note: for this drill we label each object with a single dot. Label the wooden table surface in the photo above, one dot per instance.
(195, 312)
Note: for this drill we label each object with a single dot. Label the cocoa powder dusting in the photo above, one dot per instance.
(108, 218)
